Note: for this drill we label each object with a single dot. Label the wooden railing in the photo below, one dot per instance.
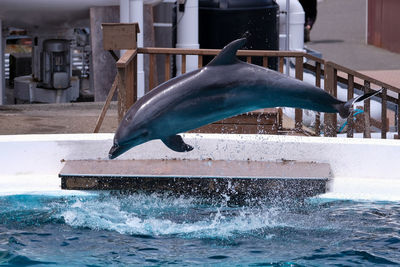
(331, 73)
(248, 54)
(356, 80)
(334, 73)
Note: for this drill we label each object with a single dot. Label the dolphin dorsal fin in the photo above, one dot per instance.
(228, 53)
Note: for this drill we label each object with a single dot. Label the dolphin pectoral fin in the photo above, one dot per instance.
(176, 143)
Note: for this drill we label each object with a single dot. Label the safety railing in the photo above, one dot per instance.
(351, 80)
(249, 56)
(331, 73)
(355, 80)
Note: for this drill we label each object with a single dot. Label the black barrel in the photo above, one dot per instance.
(221, 21)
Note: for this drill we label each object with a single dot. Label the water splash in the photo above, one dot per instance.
(164, 216)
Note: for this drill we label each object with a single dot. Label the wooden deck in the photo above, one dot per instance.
(263, 121)
(215, 179)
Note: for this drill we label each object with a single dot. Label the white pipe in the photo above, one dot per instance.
(136, 15)
(123, 15)
(124, 11)
(188, 33)
(287, 25)
(287, 33)
(2, 76)
(132, 11)
(296, 19)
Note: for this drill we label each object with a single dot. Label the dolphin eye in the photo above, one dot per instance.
(128, 118)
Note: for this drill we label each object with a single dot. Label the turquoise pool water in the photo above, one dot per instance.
(151, 230)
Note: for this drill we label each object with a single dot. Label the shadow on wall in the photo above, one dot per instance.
(327, 41)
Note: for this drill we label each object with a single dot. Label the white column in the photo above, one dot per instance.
(124, 11)
(132, 11)
(287, 35)
(2, 76)
(136, 15)
(188, 33)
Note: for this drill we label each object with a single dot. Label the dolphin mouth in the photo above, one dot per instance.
(115, 151)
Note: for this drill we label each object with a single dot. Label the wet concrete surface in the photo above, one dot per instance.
(340, 33)
(55, 118)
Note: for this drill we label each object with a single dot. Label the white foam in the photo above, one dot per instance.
(378, 189)
(112, 215)
(35, 184)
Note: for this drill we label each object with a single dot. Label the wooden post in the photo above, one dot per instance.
(329, 118)
(183, 64)
(265, 62)
(385, 125)
(317, 84)
(106, 105)
(280, 119)
(281, 63)
(350, 95)
(152, 68)
(200, 61)
(127, 73)
(299, 112)
(367, 107)
(167, 65)
(398, 116)
(119, 36)
(359, 124)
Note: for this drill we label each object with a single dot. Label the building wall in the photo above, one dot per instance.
(384, 24)
(103, 68)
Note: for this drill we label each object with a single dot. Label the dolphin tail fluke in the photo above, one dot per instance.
(345, 108)
(176, 143)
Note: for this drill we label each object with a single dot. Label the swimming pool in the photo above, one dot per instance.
(100, 229)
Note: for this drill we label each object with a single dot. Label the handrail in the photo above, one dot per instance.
(362, 76)
(323, 70)
(124, 36)
(213, 52)
(321, 67)
(313, 58)
(126, 58)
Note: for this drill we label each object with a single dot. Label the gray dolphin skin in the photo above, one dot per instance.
(222, 89)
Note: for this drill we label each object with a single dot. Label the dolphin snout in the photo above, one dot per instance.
(115, 151)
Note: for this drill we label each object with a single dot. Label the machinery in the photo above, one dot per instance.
(51, 80)
(55, 65)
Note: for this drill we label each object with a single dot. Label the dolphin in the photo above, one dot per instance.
(223, 88)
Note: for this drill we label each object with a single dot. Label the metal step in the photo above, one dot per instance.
(209, 178)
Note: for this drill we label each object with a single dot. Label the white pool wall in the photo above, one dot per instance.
(34, 161)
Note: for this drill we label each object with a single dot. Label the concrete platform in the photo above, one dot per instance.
(361, 168)
(234, 179)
